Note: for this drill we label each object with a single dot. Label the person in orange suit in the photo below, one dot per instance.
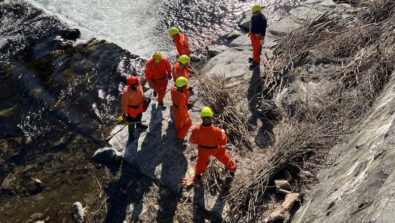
(180, 68)
(180, 40)
(180, 97)
(211, 142)
(257, 34)
(157, 72)
(132, 103)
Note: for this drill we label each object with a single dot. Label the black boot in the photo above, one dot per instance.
(253, 65)
(141, 126)
(161, 106)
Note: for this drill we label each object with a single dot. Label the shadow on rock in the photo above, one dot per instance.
(174, 166)
(128, 190)
(260, 110)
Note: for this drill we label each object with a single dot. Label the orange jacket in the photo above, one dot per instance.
(155, 71)
(182, 44)
(180, 99)
(209, 137)
(132, 98)
(177, 71)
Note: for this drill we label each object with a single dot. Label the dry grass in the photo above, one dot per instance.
(228, 115)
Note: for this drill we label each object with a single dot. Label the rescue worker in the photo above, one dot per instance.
(180, 68)
(157, 72)
(132, 103)
(257, 34)
(180, 99)
(211, 142)
(180, 40)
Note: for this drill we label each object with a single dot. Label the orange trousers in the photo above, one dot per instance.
(182, 120)
(256, 47)
(220, 154)
(160, 88)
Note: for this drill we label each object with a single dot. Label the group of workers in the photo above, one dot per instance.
(210, 139)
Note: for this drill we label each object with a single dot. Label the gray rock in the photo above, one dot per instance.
(360, 185)
(245, 22)
(324, 4)
(216, 49)
(229, 64)
(233, 35)
(306, 13)
(78, 212)
(283, 26)
(242, 40)
(106, 155)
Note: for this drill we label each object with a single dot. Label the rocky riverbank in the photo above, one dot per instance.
(322, 69)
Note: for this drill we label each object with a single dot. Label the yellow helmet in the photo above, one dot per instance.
(173, 31)
(157, 57)
(184, 59)
(256, 8)
(206, 112)
(181, 82)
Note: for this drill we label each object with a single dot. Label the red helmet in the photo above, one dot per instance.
(132, 80)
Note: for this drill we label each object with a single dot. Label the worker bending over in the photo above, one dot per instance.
(180, 40)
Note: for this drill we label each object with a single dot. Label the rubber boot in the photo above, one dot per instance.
(253, 65)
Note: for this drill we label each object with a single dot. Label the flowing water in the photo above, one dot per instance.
(50, 126)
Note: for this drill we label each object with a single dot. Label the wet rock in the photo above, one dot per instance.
(38, 218)
(106, 155)
(34, 186)
(70, 34)
(78, 212)
(216, 49)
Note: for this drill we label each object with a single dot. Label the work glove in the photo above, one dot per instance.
(189, 106)
(125, 117)
(169, 76)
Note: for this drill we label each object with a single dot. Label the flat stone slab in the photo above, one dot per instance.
(283, 26)
(231, 63)
(242, 40)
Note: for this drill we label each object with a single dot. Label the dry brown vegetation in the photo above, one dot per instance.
(359, 49)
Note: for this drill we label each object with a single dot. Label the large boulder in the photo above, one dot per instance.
(359, 186)
(232, 63)
(216, 49)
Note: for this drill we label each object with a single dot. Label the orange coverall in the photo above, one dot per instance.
(256, 46)
(157, 74)
(182, 44)
(211, 142)
(132, 101)
(177, 71)
(181, 115)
